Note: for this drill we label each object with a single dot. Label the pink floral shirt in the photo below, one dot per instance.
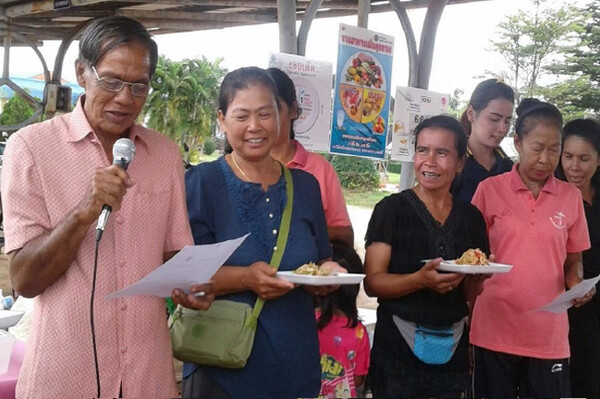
(47, 172)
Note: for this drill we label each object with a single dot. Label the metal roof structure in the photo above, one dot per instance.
(55, 19)
(30, 22)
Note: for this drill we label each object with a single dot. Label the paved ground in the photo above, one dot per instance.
(360, 220)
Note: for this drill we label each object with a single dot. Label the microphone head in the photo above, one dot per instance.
(123, 152)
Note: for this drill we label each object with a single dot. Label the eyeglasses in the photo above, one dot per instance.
(116, 85)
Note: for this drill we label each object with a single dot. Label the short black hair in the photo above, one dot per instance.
(448, 123)
(286, 91)
(105, 34)
(240, 79)
(532, 111)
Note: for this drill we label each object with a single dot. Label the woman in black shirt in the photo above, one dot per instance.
(579, 165)
(415, 300)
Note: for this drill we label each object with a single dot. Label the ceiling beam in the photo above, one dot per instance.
(199, 16)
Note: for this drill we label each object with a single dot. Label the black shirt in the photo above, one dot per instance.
(591, 257)
(403, 221)
(464, 185)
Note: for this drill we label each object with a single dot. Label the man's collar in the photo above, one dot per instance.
(81, 128)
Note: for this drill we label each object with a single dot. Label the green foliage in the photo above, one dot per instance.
(578, 94)
(209, 147)
(15, 111)
(528, 40)
(356, 173)
(183, 101)
(394, 167)
(456, 104)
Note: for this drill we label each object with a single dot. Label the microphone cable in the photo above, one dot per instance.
(97, 368)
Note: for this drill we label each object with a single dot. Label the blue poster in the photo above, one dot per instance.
(361, 98)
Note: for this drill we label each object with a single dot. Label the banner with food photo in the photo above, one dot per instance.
(411, 107)
(361, 95)
(312, 80)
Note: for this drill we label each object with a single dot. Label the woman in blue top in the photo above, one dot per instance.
(486, 121)
(245, 192)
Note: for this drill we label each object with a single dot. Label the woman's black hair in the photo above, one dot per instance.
(484, 93)
(105, 34)
(589, 130)
(344, 298)
(450, 124)
(286, 91)
(532, 111)
(240, 79)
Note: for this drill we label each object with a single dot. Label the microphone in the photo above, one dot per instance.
(123, 152)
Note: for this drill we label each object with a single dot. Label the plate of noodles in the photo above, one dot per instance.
(473, 261)
(311, 274)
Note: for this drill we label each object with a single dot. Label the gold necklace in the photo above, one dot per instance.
(238, 167)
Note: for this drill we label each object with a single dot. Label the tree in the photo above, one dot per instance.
(529, 40)
(456, 103)
(578, 94)
(15, 111)
(183, 101)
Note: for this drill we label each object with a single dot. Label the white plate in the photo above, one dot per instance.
(339, 279)
(9, 318)
(451, 266)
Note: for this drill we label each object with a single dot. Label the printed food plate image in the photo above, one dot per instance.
(372, 105)
(491, 268)
(336, 279)
(351, 98)
(364, 69)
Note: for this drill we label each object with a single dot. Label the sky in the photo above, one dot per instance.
(461, 55)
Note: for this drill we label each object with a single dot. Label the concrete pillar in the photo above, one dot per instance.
(364, 7)
(286, 16)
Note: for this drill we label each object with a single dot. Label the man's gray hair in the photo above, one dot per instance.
(105, 34)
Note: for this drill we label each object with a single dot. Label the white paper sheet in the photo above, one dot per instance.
(194, 264)
(565, 301)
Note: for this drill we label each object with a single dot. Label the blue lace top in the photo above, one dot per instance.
(285, 357)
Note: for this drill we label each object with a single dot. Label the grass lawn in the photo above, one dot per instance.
(393, 178)
(364, 199)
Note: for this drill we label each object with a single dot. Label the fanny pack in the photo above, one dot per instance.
(223, 335)
(431, 345)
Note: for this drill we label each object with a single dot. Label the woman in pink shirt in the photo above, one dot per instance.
(537, 224)
(291, 153)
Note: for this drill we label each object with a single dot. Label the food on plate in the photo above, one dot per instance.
(474, 257)
(373, 103)
(379, 125)
(311, 269)
(364, 71)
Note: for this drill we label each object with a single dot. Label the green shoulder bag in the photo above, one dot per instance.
(223, 335)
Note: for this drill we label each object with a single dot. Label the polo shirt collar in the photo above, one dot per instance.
(497, 151)
(517, 184)
(300, 156)
(81, 128)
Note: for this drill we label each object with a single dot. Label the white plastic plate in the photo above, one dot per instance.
(9, 318)
(339, 279)
(496, 268)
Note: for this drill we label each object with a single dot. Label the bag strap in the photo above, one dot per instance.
(282, 237)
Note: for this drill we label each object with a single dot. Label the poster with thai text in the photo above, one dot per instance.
(361, 96)
(411, 107)
(313, 81)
